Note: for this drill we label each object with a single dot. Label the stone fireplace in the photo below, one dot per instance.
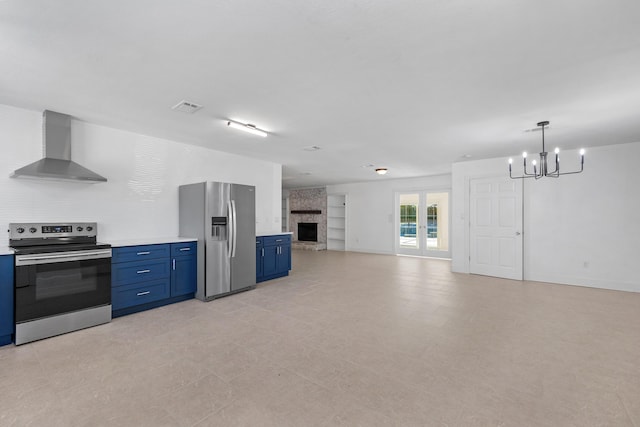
(308, 206)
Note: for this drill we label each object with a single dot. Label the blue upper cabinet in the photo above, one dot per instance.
(6, 299)
(273, 257)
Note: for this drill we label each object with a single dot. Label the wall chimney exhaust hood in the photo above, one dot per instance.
(56, 164)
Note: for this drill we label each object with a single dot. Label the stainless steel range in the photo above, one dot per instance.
(62, 278)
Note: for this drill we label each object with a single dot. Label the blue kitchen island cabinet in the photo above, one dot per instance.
(149, 276)
(273, 257)
(6, 299)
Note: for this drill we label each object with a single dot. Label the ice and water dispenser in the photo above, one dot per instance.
(219, 228)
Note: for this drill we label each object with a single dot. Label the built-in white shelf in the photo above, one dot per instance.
(336, 222)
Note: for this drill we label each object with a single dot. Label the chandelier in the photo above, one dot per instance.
(543, 169)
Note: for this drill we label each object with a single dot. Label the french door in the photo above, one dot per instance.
(422, 224)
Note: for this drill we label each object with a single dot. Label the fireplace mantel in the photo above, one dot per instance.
(308, 211)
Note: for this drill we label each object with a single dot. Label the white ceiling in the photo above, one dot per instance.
(408, 85)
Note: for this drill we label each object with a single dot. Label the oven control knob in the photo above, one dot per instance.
(33, 230)
(89, 228)
(80, 228)
(20, 230)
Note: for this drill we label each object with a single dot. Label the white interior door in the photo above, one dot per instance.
(495, 227)
(422, 225)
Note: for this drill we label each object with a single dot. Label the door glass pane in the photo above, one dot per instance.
(438, 221)
(409, 221)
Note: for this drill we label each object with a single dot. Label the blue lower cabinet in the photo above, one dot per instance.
(139, 253)
(270, 261)
(184, 269)
(139, 293)
(284, 258)
(274, 258)
(139, 271)
(168, 274)
(259, 255)
(6, 299)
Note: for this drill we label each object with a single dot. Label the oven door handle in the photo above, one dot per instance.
(61, 257)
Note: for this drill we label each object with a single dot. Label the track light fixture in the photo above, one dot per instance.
(247, 128)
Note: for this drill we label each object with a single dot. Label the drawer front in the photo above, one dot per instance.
(139, 253)
(136, 294)
(141, 271)
(182, 249)
(277, 240)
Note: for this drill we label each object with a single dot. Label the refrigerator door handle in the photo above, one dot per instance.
(229, 228)
(235, 229)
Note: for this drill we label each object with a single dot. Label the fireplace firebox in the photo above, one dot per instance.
(308, 231)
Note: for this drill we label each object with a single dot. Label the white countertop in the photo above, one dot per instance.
(149, 241)
(273, 234)
(5, 250)
(163, 240)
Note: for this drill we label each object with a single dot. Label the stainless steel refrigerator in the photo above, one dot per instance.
(222, 217)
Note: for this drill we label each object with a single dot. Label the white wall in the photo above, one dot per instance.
(371, 210)
(578, 229)
(140, 198)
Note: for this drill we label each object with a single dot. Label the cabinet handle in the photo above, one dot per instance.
(185, 249)
(278, 240)
(143, 293)
(143, 253)
(174, 263)
(143, 271)
(262, 252)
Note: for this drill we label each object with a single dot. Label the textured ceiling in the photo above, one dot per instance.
(408, 85)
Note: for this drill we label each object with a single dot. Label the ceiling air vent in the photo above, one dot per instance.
(186, 107)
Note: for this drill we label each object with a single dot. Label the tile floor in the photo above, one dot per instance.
(346, 340)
